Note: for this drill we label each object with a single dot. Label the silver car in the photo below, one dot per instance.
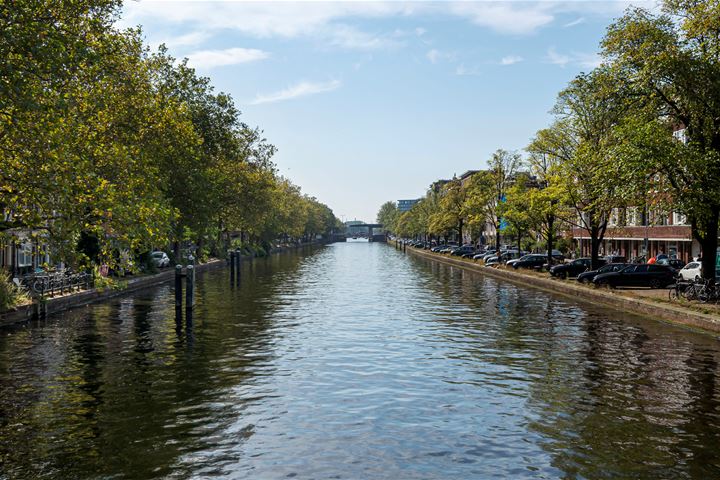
(160, 259)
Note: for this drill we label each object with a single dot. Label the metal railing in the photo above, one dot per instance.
(59, 282)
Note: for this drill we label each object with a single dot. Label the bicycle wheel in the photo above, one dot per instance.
(690, 293)
(673, 294)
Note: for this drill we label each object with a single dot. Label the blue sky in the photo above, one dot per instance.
(373, 101)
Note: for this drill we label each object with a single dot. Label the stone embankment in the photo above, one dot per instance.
(622, 300)
(57, 304)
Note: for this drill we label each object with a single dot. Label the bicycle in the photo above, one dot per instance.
(709, 292)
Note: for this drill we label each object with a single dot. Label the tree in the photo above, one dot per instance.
(451, 214)
(515, 210)
(668, 64)
(582, 141)
(488, 190)
(547, 204)
(388, 216)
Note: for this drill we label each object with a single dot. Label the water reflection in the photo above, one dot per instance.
(356, 361)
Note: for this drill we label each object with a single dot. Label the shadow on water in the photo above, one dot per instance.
(356, 361)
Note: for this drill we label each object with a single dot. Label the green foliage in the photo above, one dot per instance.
(667, 67)
(10, 294)
(109, 147)
(388, 216)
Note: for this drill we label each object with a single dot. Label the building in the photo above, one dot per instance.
(405, 205)
(438, 185)
(629, 230)
(20, 253)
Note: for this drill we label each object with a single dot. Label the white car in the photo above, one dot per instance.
(691, 272)
(161, 259)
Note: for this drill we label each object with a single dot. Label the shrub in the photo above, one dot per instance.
(10, 294)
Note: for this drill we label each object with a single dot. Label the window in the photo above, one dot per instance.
(634, 218)
(24, 255)
(630, 269)
(641, 268)
(679, 218)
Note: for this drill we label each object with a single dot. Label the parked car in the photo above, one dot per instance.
(449, 248)
(645, 275)
(691, 272)
(614, 259)
(439, 247)
(675, 263)
(473, 253)
(460, 251)
(587, 277)
(534, 260)
(572, 269)
(160, 259)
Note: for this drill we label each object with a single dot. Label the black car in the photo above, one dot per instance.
(534, 260)
(674, 263)
(572, 269)
(460, 251)
(587, 277)
(644, 275)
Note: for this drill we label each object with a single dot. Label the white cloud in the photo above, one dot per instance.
(585, 60)
(324, 20)
(577, 21)
(556, 58)
(351, 38)
(511, 59)
(219, 58)
(187, 40)
(301, 89)
(464, 71)
(435, 55)
(505, 17)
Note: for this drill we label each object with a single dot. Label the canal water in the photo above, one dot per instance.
(356, 361)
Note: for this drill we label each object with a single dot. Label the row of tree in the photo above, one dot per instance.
(641, 130)
(105, 143)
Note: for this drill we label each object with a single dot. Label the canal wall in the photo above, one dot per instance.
(648, 308)
(48, 306)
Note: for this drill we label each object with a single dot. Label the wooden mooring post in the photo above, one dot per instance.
(190, 287)
(238, 267)
(178, 295)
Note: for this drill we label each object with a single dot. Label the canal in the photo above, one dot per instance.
(355, 361)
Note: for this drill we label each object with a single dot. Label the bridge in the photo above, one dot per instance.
(366, 230)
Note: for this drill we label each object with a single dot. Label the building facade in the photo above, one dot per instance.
(630, 230)
(405, 205)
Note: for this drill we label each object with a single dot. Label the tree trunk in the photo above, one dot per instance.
(497, 237)
(550, 237)
(594, 248)
(709, 243)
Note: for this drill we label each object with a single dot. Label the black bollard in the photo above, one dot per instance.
(178, 295)
(232, 267)
(178, 286)
(190, 287)
(238, 265)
